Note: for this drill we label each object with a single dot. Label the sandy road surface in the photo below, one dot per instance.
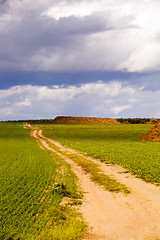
(114, 216)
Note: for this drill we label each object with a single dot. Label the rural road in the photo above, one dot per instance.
(113, 216)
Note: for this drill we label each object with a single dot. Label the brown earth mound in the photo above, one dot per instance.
(63, 119)
(153, 135)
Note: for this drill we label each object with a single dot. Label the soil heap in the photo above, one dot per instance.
(153, 135)
(62, 119)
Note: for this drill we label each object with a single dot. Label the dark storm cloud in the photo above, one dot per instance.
(31, 40)
(79, 35)
(3, 6)
(3, 2)
(27, 37)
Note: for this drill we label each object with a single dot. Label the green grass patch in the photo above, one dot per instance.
(67, 182)
(116, 144)
(75, 203)
(29, 206)
(69, 229)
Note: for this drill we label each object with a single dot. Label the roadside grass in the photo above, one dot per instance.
(29, 204)
(67, 183)
(116, 144)
(68, 230)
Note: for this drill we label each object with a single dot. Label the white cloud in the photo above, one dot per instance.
(25, 102)
(65, 9)
(118, 109)
(94, 99)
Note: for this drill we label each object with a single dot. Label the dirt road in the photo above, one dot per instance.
(114, 216)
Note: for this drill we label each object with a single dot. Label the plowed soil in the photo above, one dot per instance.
(153, 135)
(63, 119)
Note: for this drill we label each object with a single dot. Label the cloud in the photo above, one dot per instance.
(79, 35)
(100, 99)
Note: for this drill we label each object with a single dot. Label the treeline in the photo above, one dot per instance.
(39, 121)
(33, 121)
(121, 120)
(137, 120)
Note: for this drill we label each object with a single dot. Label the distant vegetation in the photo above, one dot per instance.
(32, 121)
(137, 120)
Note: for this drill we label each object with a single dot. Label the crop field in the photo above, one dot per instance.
(34, 182)
(116, 144)
(31, 189)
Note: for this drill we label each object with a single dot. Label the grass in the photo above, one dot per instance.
(116, 144)
(29, 205)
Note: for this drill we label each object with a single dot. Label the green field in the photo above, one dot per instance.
(32, 183)
(117, 144)
(31, 189)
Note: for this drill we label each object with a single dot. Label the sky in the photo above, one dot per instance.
(97, 58)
